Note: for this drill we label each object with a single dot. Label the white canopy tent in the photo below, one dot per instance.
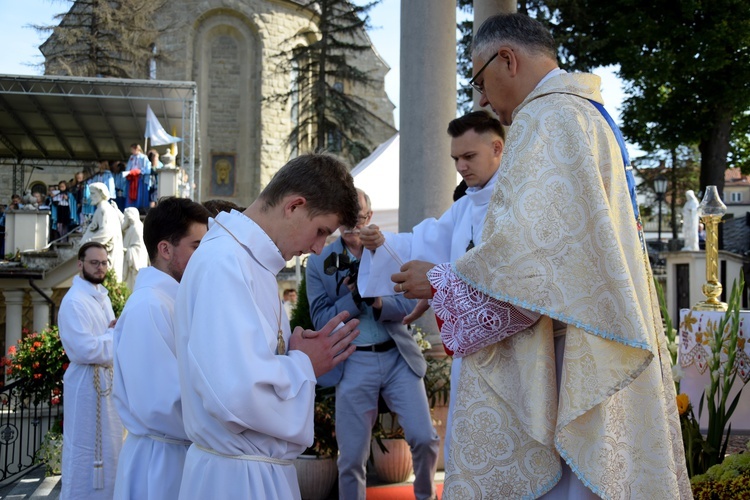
(378, 176)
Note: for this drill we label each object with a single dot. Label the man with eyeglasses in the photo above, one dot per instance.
(582, 401)
(92, 435)
(387, 361)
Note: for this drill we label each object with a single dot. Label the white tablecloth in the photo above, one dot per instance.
(696, 329)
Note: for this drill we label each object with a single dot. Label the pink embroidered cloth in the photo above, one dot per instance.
(471, 319)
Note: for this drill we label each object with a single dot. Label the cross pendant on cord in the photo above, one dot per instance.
(280, 344)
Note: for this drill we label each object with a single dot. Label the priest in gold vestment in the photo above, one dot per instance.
(580, 404)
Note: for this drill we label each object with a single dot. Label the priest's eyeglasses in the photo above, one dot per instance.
(362, 219)
(473, 82)
(97, 263)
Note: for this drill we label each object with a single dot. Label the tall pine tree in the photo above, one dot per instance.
(104, 38)
(325, 80)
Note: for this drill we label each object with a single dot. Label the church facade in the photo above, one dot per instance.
(231, 48)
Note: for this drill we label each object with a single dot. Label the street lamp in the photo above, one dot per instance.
(660, 188)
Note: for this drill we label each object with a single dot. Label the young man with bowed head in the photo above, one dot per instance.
(92, 435)
(477, 141)
(146, 382)
(248, 383)
(583, 397)
(387, 362)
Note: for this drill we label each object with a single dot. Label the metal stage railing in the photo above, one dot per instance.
(23, 425)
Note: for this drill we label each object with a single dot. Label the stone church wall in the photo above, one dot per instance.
(230, 49)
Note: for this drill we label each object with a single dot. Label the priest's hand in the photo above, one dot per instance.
(371, 237)
(326, 348)
(412, 280)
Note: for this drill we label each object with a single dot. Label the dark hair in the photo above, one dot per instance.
(479, 121)
(518, 29)
(323, 180)
(91, 244)
(287, 291)
(217, 205)
(170, 220)
(460, 190)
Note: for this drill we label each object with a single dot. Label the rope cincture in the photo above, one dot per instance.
(101, 393)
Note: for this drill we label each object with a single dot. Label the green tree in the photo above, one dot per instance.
(104, 38)
(686, 65)
(534, 8)
(680, 166)
(463, 57)
(325, 78)
(301, 311)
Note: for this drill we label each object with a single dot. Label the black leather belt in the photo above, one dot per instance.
(382, 347)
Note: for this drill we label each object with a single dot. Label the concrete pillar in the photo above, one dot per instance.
(484, 9)
(41, 309)
(13, 316)
(26, 230)
(168, 181)
(427, 176)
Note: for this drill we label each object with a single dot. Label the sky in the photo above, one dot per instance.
(19, 43)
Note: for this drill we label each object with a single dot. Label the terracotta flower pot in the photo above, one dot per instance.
(316, 476)
(394, 466)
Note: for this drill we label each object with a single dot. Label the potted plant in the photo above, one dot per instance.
(391, 456)
(38, 362)
(50, 452)
(316, 467)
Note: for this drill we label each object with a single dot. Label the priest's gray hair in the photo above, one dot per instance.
(517, 30)
(364, 195)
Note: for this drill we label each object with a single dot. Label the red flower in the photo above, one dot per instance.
(35, 365)
(37, 344)
(12, 350)
(37, 375)
(65, 366)
(55, 400)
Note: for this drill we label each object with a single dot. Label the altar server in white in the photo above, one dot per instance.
(476, 148)
(146, 382)
(248, 383)
(92, 434)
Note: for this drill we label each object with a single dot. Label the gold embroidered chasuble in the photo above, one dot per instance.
(561, 239)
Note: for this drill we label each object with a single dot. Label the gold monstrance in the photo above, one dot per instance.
(711, 210)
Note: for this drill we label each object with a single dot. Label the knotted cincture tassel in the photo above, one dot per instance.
(100, 393)
(98, 475)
